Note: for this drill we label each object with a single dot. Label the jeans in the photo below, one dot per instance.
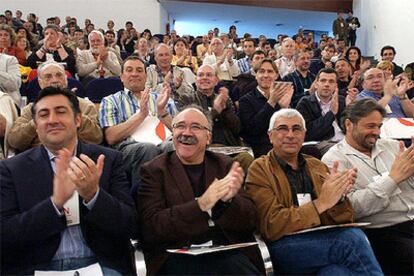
(340, 251)
(76, 263)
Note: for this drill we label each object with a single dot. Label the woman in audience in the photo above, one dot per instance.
(7, 37)
(121, 39)
(23, 44)
(182, 56)
(353, 55)
(387, 67)
(21, 31)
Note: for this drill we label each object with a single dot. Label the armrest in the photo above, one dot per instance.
(265, 255)
(140, 266)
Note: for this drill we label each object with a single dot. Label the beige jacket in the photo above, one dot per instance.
(87, 66)
(23, 134)
(9, 112)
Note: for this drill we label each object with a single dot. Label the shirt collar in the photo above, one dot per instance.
(285, 166)
(319, 100)
(349, 150)
(52, 156)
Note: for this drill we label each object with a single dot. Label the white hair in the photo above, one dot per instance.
(47, 64)
(162, 45)
(285, 113)
(98, 33)
(210, 66)
(216, 38)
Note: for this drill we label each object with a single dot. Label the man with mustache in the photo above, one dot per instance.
(383, 193)
(98, 61)
(193, 196)
(294, 192)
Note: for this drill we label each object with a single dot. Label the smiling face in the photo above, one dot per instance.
(374, 80)
(163, 57)
(266, 75)
(287, 136)
(133, 75)
(191, 136)
(56, 122)
(179, 48)
(206, 80)
(363, 134)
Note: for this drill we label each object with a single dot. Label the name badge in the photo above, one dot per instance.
(304, 198)
(71, 209)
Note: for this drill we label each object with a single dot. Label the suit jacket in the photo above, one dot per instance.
(31, 228)
(318, 127)
(170, 215)
(87, 66)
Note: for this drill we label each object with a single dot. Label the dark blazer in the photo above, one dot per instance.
(30, 227)
(170, 215)
(318, 127)
(255, 114)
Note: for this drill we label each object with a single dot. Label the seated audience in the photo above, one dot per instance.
(142, 50)
(346, 80)
(325, 60)
(383, 193)
(23, 44)
(163, 71)
(64, 205)
(226, 124)
(388, 53)
(7, 46)
(10, 77)
(98, 61)
(222, 61)
(353, 55)
(388, 93)
(183, 57)
(112, 46)
(202, 48)
(198, 196)
(246, 82)
(323, 110)
(302, 79)
(257, 106)
(53, 49)
(285, 63)
(294, 192)
(245, 64)
(23, 132)
(122, 113)
(8, 114)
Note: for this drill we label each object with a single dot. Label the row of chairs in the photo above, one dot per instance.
(95, 90)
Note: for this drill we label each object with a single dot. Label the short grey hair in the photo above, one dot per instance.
(198, 109)
(162, 45)
(285, 113)
(98, 33)
(47, 64)
(210, 66)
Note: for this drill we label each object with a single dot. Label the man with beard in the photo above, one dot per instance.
(193, 196)
(383, 193)
(389, 94)
(301, 78)
(98, 61)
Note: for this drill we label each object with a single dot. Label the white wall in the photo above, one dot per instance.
(386, 22)
(143, 13)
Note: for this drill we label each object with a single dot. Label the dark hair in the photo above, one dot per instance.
(129, 22)
(267, 60)
(249, 39)
(330, 46)
(52, 26)
(51, 19)
(360, 109)
(52, 91)
(180, 39)
(131, 57)
(326, 71)
(358, 61)
(388, 47)
(258, 52)
(343, 59)
(110, 32)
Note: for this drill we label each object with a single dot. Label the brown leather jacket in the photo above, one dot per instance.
(268, 186)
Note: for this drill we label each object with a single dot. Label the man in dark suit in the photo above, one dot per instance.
(193, 196)
(64, 205)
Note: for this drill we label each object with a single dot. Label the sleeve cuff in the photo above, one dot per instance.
(91, 203)
(58, 212)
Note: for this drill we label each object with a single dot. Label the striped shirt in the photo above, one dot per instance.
(119, 107)
(244, 65)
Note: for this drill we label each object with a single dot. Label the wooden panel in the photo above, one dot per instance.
(310, 5)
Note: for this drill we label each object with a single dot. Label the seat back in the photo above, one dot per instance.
(97, 89)
(33, 88)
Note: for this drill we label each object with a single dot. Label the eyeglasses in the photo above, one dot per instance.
(296, 129)
(193, 127)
